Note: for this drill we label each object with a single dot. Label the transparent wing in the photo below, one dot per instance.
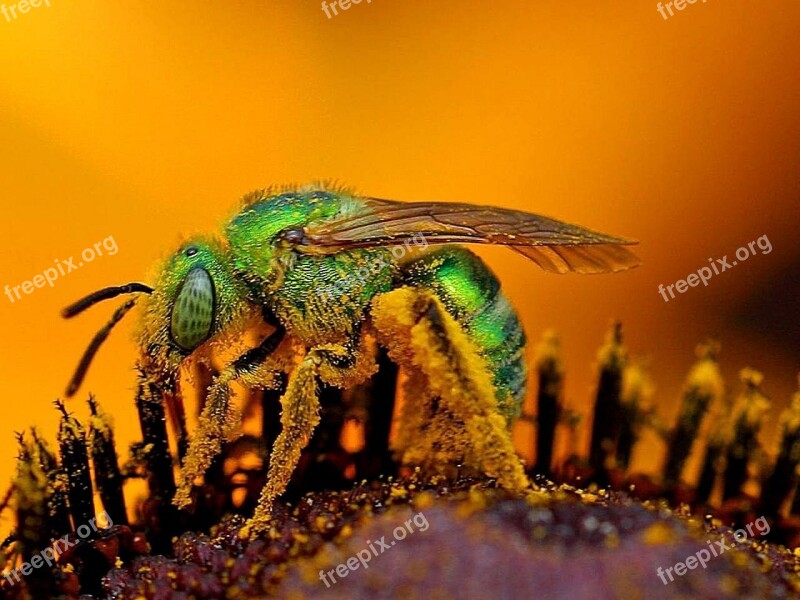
(555, 246)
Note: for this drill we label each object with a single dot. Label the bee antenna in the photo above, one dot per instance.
(104, 294)
(96, 342)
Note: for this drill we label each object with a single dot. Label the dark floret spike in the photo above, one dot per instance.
(747, 417)
(550, 372)
(607, 409)
(158, 459)
(75, 462)
(173, 400)
(783, 478)
(106, 465)
(61, 407)
(703, 389)
(57, 508)
(33, 529)
(637, 390)
(717, 441)
(46, 457)
(572, 420)
(709, 471)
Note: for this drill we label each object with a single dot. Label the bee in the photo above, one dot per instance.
(319, 265)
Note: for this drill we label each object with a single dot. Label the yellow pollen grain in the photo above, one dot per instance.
(658, 534)
(424, 500)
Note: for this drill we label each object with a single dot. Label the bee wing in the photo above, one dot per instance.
(555, 246)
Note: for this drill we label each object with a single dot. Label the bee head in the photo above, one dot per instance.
(195, 296)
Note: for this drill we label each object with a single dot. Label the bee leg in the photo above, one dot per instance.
(219, 421)
(422, 336)
(299, 417)
(412, 447)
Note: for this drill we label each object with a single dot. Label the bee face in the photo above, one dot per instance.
(195, 298)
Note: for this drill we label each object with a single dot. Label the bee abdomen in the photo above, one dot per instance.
(471, 293)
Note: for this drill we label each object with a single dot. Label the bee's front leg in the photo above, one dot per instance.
(300, 414)
(219, 421)
(426, 340)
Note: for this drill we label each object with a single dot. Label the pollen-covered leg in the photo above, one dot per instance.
(421, 335)
(413, 418)
(219, 421)
(299, 417)
(428, 434)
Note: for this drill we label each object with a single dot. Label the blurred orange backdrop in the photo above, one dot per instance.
(148, 122)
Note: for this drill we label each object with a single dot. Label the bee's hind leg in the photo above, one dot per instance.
(424, 338)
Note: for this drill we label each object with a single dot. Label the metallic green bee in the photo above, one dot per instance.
(322, 267)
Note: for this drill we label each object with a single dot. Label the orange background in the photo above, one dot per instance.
(147, 123)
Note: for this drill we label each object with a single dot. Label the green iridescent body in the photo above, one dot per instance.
(321, 299)
(318, 298)
(471, 293)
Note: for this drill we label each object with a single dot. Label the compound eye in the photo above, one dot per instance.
(294, 236)
(193, 311)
